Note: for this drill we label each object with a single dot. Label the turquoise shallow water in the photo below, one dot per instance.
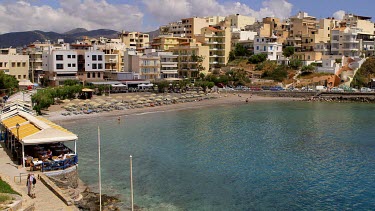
(260, 156)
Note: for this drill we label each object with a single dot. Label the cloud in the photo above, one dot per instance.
(339, 14)
(172, 10)
(89, 14)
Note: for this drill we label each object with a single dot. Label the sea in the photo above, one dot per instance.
(255, 156)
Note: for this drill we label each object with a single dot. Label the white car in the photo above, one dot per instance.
(337, 89)
(365, 89)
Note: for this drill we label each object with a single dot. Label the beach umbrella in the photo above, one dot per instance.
(148, 101)
(133, 99)
(139, 102)
(66, 101)
(158, 100)
(175, 98)
(142, 98)
(153, 94)
(183, 97)
(70, 104)
(146, 95)
(151, 98)
(114, 100)
(137, 96)
(167, 99)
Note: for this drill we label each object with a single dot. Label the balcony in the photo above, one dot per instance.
(168, 63)
(350, 41)
(169, 71)
(61, 78)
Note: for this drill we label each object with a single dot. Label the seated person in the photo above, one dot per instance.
(49, 154)
(63, 156)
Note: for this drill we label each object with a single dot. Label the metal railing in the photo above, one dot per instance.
(20, 176)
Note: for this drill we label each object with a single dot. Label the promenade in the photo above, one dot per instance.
(45, 199)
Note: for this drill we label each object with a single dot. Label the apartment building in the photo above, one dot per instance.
(165, 42)
(189, 55)
(269, 46)
(168, 64)
(344, 41)
(90, 65)
(239, 21)
(362, 22)
(186, 27)
(219, 41)
(35, 53)
(142, 66)
(135, 40)
(239, 36)
(59, 65)
(114, 53)
(14, 64)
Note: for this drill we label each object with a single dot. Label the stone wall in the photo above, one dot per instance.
(65, 179)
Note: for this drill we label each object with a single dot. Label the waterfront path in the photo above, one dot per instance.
(45, 199)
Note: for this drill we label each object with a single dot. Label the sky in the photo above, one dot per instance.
(147, 15)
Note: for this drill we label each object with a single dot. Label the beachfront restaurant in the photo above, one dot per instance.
(36, 142)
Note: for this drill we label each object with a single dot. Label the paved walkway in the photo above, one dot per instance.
(45, 199)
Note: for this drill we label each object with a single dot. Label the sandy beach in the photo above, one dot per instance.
(54, 113)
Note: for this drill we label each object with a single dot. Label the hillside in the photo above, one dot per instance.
(19, 39)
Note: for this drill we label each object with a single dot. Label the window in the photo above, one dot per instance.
(88, 75)
(69, 56)
(94, 57)
(100, 58)
(94, 66)
(74, 65)
(24, 76)
(18, 64)
(1, 64)
(73, 56)
(93, 75)
(100, 66)
(59, 57)
(271, 48)
(19, 76)
(264, 48)
(258, 48)
(23, 64)
(69, 65)
(5, 64)
(59, 66)
(13, 64)
(98, 75)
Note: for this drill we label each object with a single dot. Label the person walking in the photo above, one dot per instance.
(30, 183)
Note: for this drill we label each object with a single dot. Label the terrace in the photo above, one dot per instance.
(34, 141)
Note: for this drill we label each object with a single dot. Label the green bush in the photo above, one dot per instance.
(257, 58)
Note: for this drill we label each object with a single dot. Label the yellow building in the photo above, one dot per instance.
(219, 41)
(135, 40)
(239, 21)
(362, 22)
(165, 42)
(189, 65)
(186, 27)
(14, 64)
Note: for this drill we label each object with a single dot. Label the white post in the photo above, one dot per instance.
(100, 176)
(75, 146)
(131, 183)
(23, 155)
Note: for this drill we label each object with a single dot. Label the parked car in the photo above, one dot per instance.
(337, 89)
(254, 88)
(321, 88)
(365, 89)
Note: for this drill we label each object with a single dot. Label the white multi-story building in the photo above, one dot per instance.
(269, 46)
(93, 63)
(60, 65)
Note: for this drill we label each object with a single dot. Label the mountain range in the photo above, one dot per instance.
(20, 39)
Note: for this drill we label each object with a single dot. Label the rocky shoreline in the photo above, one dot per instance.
(340, 99)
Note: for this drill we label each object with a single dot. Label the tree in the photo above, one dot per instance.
(365, 73)
(308, 68)
(338, 61)
(8, 82)
(257, 58)
(295, 64)
(70, 82)
(232, 56)
(278, 74)
(288, 51)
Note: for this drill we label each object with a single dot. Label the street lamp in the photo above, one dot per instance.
(18, 127)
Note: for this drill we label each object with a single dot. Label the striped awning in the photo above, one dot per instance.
(25, 130)
(12, 122)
